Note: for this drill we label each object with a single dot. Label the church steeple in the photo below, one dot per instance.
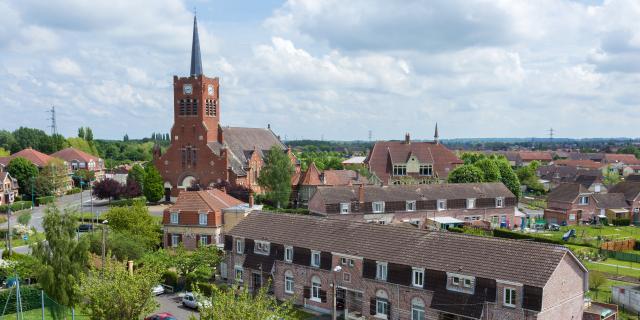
(436, 136)
(196, 60)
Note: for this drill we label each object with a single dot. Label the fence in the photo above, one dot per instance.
(34, 304)
(624, 256)
(619, 245)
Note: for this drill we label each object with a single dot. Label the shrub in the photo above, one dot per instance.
(170, 278)
(204, 288)
(621, 222)
(502, 233)
(24, 218)
(129, 202)
(16, 206)
(29, 295)
(73, 191)
(456, 229)
(45, 200)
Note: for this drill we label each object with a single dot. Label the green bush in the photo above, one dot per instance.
(503, 233)
(73, 191)
(29, 295)
(24, 218)
(204, 288)
(129, 202)
(16, 206)
(621, 222)
(170, 278)
(45, 200)
(456, 229)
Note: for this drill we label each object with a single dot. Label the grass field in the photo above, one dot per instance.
(37, 237)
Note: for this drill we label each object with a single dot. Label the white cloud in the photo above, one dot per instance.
(66, 67)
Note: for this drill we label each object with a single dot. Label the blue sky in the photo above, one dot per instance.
(332, 69)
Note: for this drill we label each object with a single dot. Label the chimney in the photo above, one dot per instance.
(357, 175)
(361, 193)
(251, 200)
(407, 138)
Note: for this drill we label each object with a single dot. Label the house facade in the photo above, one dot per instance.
(79, 160)
(8, 187)
(402, 273)
(200, 218)
(570, 204)
(410, 162)
(202, 151)
(306, 183)
(631, 192)
(467, 202)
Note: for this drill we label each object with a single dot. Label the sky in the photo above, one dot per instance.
(328, 69)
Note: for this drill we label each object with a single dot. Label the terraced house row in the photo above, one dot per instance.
(372, 271)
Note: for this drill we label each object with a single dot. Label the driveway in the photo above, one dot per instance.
(172, 303)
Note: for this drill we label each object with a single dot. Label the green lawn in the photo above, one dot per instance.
(37, 237)
(615, 267)
(301, 314)
(36, 314)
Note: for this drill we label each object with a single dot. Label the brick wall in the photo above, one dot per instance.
(563, 294)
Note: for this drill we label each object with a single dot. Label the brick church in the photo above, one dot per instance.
(202, 152)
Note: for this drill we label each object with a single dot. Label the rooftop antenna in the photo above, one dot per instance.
(53, 126)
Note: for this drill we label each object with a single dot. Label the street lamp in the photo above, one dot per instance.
(104, 241)
(335, 311)
(9, 199)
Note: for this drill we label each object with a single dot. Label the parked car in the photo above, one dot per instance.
(158, 290)
(190, 300)
(554, 227)
(161, 316)
(85, 227)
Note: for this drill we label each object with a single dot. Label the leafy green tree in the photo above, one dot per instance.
(611, 177)
(63, 256)
(275, 176)
(466, 174)
(125, 138)
(82, 145)
(137, 174)
(153, 185)
(55, 172)
(472, 157)
(196, 265)
(56, 143)
(85, 176)
(31, 138)
(7, 140)
(4, 152)
(509, 177)
(134, 220)
(88, 134)
(596, 280)
(238, 303)
(23, 171)
(489, 167)
(527, 176)
(114, 293)
(43, 186)
(81, 132)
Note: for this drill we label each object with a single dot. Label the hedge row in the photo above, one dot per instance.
(30, 296)
(45, 200)
(129, 202)
(502, 233)
(18, 205)
(73, 191)
(621, 222)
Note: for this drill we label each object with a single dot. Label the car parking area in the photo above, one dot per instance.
(172, 303)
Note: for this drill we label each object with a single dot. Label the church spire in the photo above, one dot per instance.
(436, 137)
(196, 60)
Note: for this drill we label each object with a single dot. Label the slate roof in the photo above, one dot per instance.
(598, 157)
(610, 200)
(630, 189)
(36, 157)
(204, 200)
(587, 180)
(526, 262)
(566, 192)
(385, 153)
(70, 154)
(372, 193)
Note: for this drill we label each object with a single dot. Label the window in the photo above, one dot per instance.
(411, 205)
(442, 204)
(346, 277)
(382, 304)
(316, 285)
(239, 273)
(240, 246)
(417, 309)
(418, 277)
(399, 169)
(223, 270)
(344, 208)
(381, 270)
(262, 247)
(584, 200)
(455, 281)
(471, 203)
(288, 254)
(426, 170)
(509, 297)
(346, 261)
(204, 240)
(175, 240)
(202, 219)
(468, 283)
(315, 258)
(288, 281)
(378, 206)
(499, 202)
(636, 210)
(174, 218)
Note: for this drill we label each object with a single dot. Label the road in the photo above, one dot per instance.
(171, 302)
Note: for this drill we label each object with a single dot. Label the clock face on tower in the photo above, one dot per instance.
(210, 89)
(187, 89)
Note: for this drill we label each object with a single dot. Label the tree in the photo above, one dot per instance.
(114, 293)
(31, 138)
(63, 256)
(527, 176)
(490, 170)
(153, 186)
(7, 140)
(43, 186)
(85, 176)
(611, 177)
(132, 189)
(466, 174)
(23, 171)
(136, 174)
(56, 173)
(197, 265)
(134, 220)
(238, 303)
(81, 133)
(108, 189)
(125, 138)
(596, 280)
(88, 134)
(509, 177)
(275, 176)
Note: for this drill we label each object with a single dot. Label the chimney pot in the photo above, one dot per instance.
(407, 138)
(361, 193)
(251, 200)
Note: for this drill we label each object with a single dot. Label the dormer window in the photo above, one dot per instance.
(399, 169)
(174, 218)
(411, 205)
(417, 278)
(584, 200)
(240, 246)
(471, 203)
(377, 206)
(461, 283)
(442, 204)
(202, 219)
(344, 208)
(426, 169)
(262, 247)
(499, 202)
(381, 271)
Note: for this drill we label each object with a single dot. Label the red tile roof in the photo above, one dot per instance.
(70, 154)
(587, 164)
(535, 155)
(204, 200)
(36, 157)
(385, 153)
(629, 159)
(311, 177)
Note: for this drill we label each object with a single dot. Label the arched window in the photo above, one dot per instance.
(417, 309)
(288, 282)
(316, 285)
(383, 307)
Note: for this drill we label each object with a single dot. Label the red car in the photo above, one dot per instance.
(161, 316)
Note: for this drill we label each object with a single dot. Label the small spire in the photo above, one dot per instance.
(196, 60)
(436, 136)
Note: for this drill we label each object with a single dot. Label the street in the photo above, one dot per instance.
(172, 303)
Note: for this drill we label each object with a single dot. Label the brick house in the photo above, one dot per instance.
(570, 204)
(77, 160)
(491, 202)
(391, 272)
(8, 184)
(202, 151)
(41, 160)
(524, 158)
(410, 162)
(631, 191)
(611, 205)
(201, 218)
(306, 183)
(553, 175)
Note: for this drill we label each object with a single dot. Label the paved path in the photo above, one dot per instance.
(172, 303)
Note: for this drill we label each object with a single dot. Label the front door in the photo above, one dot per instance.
(167, 194)
(257, 281)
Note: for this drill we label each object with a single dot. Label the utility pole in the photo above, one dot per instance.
(551, 135)
(370, 135)
(9, 198)
(53, 126)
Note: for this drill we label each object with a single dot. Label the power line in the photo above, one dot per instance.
(53, 126)
(551, 135)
